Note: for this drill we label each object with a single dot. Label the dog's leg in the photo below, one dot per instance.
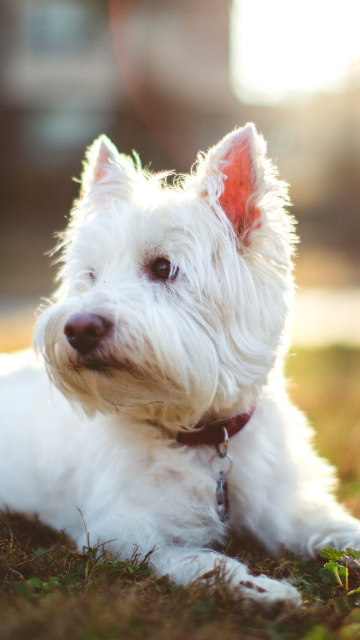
(184, 565)
(331, 526)
(317, 520)
(285, 498)
(303, 516)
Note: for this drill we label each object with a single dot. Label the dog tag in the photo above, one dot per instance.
(222, 497)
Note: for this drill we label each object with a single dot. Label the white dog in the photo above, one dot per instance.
(166, 340)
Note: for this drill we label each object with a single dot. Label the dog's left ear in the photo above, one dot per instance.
(233, 177)
(103, 164)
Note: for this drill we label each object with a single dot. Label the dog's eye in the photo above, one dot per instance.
(162, 269)
(92, 276)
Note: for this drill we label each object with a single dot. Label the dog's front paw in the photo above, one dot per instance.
(267, 591)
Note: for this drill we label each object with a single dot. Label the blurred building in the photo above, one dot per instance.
(153, 75)
(74, 68)
(143, 72)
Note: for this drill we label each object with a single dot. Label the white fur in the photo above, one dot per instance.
(207, 344)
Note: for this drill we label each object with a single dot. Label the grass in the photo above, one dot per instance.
(325, 383)
(49, 590)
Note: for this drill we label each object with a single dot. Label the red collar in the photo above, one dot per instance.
(213, 432)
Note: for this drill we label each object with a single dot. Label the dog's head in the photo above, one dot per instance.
(173, 299)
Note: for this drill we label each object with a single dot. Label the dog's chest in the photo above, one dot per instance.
(177, 489)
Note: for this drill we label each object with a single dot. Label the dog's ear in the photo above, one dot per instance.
(103, 164)
(234, 176)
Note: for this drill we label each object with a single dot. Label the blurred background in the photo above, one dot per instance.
(170, 77)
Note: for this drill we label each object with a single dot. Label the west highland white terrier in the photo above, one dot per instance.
(167, 426)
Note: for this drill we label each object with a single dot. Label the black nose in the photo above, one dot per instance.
(84, 331)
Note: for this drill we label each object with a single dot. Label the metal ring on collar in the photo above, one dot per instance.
(219, 455)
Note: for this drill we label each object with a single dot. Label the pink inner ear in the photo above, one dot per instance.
(239, 186)
(102, 161)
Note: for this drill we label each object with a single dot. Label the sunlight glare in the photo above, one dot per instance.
(286, 46)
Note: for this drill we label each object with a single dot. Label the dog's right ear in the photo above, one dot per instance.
(103, 164)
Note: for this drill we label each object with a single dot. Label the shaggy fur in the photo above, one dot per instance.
(203, 341)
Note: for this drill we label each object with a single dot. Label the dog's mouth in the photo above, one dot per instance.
(98, 367)
(98, 364)
(110, 367)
